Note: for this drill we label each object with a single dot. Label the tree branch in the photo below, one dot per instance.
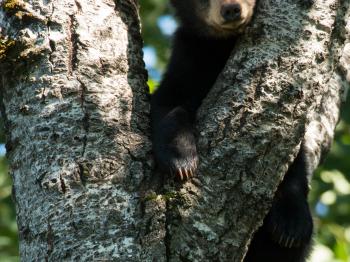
(283, 79)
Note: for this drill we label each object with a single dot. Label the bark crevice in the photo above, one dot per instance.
(73, 45)
(86, 116)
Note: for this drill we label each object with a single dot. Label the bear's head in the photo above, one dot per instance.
(218, 18)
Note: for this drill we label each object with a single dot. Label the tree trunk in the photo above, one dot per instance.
(74, 100)
(75, 104)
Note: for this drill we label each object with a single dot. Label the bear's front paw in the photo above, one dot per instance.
(177, 156)
(290, 222)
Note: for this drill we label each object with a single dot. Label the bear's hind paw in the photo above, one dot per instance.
(290, 223)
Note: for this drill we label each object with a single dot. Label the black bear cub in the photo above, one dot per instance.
(202, 44)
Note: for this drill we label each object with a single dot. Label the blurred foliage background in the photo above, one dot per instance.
(8, 226)
(330, 195)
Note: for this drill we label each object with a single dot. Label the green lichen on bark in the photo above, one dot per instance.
(166, 196)
(19, 10)
(13, 7)
(5, 45)
(151, 197)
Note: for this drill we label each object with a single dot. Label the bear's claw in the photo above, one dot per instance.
(185, 174)
(185, 168)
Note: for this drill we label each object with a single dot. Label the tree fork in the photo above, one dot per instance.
(74, 100)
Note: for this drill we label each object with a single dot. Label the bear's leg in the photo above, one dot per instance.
(174, 141)
(264, 249)
(287, 230)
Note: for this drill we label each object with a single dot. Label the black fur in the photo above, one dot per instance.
(194, 66)
(197, 59)
(287, 229)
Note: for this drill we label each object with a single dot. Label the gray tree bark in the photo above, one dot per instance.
(73, 95)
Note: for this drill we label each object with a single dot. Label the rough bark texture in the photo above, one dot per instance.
(77, 115)
(74, 100)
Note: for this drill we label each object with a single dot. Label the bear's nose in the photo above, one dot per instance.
(231, 12)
